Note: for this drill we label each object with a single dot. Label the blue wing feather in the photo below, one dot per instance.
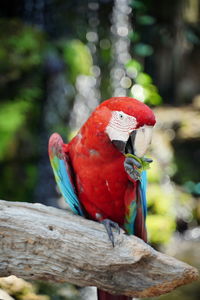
(136, 208)
(62, 172)
(143, 188)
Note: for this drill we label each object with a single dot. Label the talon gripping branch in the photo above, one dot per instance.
(101, 172)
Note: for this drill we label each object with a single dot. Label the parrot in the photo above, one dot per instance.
(101, 172)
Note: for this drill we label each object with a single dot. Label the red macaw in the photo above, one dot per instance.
(100, 172)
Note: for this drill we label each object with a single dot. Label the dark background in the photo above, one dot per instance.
(60, 58)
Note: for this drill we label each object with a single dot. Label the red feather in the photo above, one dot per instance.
(102, 184)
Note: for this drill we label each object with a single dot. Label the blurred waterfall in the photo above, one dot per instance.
(54, 118)
(56, 105)
(87, 86)
(120, 30)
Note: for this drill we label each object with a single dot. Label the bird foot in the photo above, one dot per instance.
(109, 224)
(132, 168)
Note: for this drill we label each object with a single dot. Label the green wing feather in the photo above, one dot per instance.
(63, 173)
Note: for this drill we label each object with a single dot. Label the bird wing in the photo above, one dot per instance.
(63, 172)
(136, 208)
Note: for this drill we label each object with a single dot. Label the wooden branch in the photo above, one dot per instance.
(39, 242)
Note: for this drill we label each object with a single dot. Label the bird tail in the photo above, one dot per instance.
(106, 296)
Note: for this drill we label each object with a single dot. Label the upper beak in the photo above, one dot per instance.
(141, 140)
(137, 143)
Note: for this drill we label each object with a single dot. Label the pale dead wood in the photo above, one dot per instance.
(39, 242)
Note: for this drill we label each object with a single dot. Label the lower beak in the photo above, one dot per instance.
(120, 145)
(129, 147)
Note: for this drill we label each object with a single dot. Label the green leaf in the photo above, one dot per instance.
(78, 57)
(151, 95)
(145, 20)
(145, 165)
(143, 79)
(12, 117)
(134, 36)
(192, 37)
(21, 47)
(133, 65)
(143, 49)
(160, 228)
(138, 5)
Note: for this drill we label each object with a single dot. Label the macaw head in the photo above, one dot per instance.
(130, 124)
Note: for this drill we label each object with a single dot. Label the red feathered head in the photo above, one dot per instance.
(129, 124)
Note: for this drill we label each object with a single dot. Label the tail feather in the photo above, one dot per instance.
(106, 296)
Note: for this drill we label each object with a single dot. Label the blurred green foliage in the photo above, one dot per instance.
(21, 57)
(192, 187)
(161, 219)
(58, 291)
(160, 228)
(78, 58)
(142, 20)
(145, 90)
(20, 49)
(148, 91)
(143, 49)
(12, 118)
(20, 289)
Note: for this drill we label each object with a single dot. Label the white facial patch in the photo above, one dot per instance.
(120, 126)
(142, 140)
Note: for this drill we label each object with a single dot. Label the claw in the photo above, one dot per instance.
(108, 225)
(148, 160)
(131, 165)
(133, 161)
(134, 174)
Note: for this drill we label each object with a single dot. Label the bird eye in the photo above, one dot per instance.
(121, 116)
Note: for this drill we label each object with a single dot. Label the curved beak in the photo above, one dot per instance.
(137, 143)
(141, 140)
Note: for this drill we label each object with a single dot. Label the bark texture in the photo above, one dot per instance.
(39, 242)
